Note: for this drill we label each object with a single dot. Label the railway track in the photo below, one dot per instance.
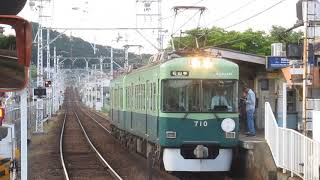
(79, 157)
(103, 123)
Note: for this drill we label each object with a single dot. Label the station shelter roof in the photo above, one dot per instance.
(239, 56)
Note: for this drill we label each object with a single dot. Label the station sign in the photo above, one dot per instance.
(276, 62)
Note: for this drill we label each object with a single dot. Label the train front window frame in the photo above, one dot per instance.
(199, 95)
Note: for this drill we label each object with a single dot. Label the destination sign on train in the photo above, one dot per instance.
(179, 73)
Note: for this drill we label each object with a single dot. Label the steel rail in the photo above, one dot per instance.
(65, 172)
(97, 121)
(113, 172)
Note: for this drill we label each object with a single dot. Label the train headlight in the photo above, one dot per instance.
(228, 125)
(207, 63)
(195, 62)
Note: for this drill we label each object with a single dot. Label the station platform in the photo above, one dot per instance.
(255, 160)
(247, 142)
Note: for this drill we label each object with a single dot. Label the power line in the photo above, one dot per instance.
(235, 24)
(186, 22)
(232, 12)
(233, 41)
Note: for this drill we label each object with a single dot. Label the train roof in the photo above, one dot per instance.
(175, 61)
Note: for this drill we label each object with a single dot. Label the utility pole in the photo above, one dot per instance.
(305, 69)
(24, 134)
(152, 10)
(54, 83)
(111, 65)
(101, 62)
(49, 94)
(126, 57)
(39, 125)
(40, 75)
(126, 54)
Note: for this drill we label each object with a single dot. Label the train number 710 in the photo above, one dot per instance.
(200, 123)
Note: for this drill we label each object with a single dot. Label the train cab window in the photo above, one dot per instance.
(181, 95)
(199, 96)
(220, 95)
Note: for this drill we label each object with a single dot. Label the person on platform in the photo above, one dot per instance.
(250, 108)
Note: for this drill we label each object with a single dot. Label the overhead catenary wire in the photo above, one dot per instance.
(186, 22)
(255, 15)
(231, 12)
(233, 41)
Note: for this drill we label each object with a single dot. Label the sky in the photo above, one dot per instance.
(122, 13)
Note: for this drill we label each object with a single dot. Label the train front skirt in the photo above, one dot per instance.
(174, 161)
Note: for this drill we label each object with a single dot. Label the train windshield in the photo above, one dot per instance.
(200, 95)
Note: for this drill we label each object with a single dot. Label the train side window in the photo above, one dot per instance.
(121, 98)
(154, 97)
(140, 99)
(115, 98)
(151, 97)
(118, 100)
(140, 92)
(129, 98)
(144, 96)
(111, 98)
(126, 104)
(147, 92)
(136, 97)
(132, 96)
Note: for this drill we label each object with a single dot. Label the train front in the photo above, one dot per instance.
(199, 122)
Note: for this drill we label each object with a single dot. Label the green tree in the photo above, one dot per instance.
(256, 42)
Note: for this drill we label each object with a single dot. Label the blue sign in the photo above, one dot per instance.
(277, 62)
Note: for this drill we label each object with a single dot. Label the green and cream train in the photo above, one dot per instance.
(181, 108)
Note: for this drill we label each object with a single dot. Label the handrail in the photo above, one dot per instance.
(291, 150)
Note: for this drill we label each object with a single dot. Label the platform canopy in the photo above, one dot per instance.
(239, 56)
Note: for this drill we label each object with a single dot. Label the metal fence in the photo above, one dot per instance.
(292, 150)
(13, 113)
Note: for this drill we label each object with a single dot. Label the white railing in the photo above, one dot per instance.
(291, 150)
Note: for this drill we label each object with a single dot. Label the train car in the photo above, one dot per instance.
(182, 108)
